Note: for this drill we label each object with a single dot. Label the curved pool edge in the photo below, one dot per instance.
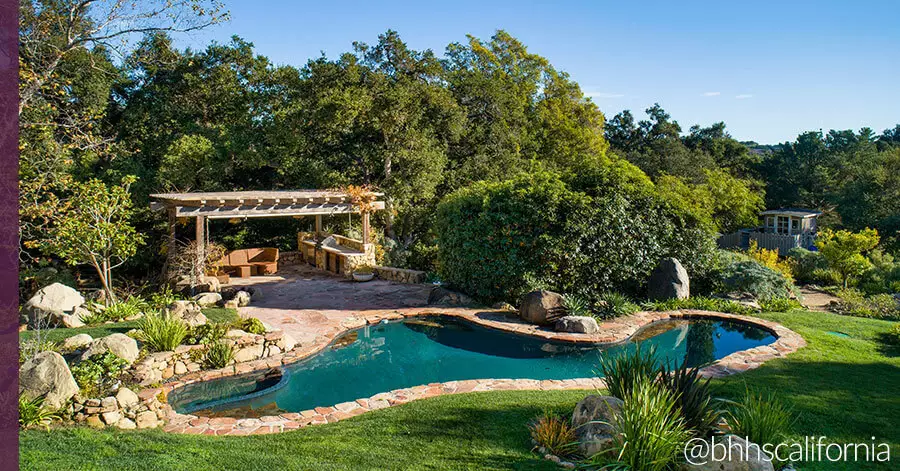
(613, 331)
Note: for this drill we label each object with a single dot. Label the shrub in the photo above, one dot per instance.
(93, 314)
(752, 278)
(206, 334)
(855, 303)
(251, 325)
(883, 277)
(162, 332)
(613, 304)
(364, 269)
(161, 299)
(622, 370)
(130, 308)
(779, 305)
(844, 251)
(769, 259)
(576, 305)
(700, 411)
(649, 433)
(96, 375)
(219, 355)
(555, 433)
(32, 413)
(894, 334)
(810, 267)
(701, 303)
(761, 418)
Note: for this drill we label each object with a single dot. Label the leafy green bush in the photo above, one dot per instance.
(811, 267)
(622, 370)
(613, 304)
(132, 307)
(649, 433)
(753, 278)
(32, 413)
(894, 334)
(883, 277)
(161, 299)
(555, 433)
(162, 332)
(761, 418)
(576, 305)
(251, 325)
(700, 411)
(779, 305)
(206, 334)
(700, 303)
(855, 303)
(219, 354)
(96, 375)
(93, 314)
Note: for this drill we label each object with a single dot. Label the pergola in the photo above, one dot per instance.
(257, 204)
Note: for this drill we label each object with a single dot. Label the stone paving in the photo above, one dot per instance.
(315, 307)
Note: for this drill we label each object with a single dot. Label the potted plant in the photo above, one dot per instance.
(364, 273)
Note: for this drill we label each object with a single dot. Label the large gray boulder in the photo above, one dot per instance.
(669, 281)
(577, 324)
(120, 345)
(208, 299)
(47, 374)
(728, 457)
(593, 421)
(51, 303)
(76, 342)
(542, 307)
(440, 296)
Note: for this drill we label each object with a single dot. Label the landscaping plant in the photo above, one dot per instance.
(779, 305)
(761, 418)
(206, 334)
(219, 354)
(251, 325)
(844, 251)
(161, 332)
(622, 371)
(615, 304)
(576, 305)
(555, 433)
(701, 303)
(692, 394)
(649, 432)
(96, 375)
(130, 308)
(32, 413)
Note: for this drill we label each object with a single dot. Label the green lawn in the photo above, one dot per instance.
(843, 388)
(214, 314)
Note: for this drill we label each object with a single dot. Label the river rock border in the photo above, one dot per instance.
(613, 331)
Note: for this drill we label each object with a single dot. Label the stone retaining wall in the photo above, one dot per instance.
(291, 258)
(125, 410)
(613, 331)
(400, 275)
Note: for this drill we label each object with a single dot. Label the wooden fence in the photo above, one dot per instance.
(781, 242)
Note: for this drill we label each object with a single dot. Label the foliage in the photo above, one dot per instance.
(206, 334)
(855, 303)
(751, 277)
(32, 413)
(725, 202)
(649, 433)
(364, 269)
(251, 325)
(162, 332)
(93, 314)
(698, 408)
(96, 375)
(894, 334)
(622, 370)
(761, 418)
(883, 276)
(769, 259)
(701, 303)
(219, 354)
(614, 304)
(779, 305)
(184, 261)
(555, 433)
(576, 305)
(808, 266)
(31, 347)
(844, 250)
(92, 226)
(130, 308)
(162, 299)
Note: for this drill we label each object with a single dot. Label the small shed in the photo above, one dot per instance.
(789, 221)
(780, 229)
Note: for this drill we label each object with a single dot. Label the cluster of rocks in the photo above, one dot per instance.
(440, 296)
(158, 367)
(55, 305)
(400, 275)
(125, 410)
(230, 297)
(548, 308)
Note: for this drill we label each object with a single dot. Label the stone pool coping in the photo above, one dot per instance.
(612, 331)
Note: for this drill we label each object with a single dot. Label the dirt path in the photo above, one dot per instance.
(816, 300)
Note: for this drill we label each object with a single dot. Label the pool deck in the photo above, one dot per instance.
(315, 307)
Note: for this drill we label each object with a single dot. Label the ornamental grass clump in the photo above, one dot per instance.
(576, 305)
(648, 431)
(33, 413)
(760, 418)
(699, 409)
(623, 371)
(162, 332)
(219, 354)
(554, 433)
(614, 304)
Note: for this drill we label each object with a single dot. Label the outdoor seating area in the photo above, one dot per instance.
(335, 253)
(244, 263)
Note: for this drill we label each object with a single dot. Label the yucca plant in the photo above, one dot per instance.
(33, 413)
(648, 431)
(576, 305)
(162, 332)
(699, 409)
(761, 418)
(622, 371)
(555, 433)
(132, 307)
(617, 304)
(219, 355)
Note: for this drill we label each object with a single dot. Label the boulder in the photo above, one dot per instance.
(728, 455)
(52, 301)
(592, 421)
(669, 280)
(208, 299)
(248, 353)
(187, 311)
(126, 424)
(209, 284)
(444, 297)
(47, 374)
(120, 345)
(541, 307)
(577, 324)
(70, 321)
(126, 398)
(146, 419)
(76, 342)
(242, 298)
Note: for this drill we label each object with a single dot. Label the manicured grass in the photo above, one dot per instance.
(843, 388)
(215, 314)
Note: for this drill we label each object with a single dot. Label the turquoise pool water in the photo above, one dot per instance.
(424, 350)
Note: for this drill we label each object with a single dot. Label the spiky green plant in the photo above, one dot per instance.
(162, 332)
(33, 413)
(219, 354)
(701, 412)
(131, 307)
(615, 304)
(555, 433)
(760, 417)
(576, 305)
(622, 370)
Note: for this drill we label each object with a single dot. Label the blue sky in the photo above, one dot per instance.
(769, 69)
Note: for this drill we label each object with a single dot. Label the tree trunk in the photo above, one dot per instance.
(388, 203)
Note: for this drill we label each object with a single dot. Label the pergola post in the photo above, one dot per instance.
(365, 227)
(201, 246)
(170, 246)
(318, 227)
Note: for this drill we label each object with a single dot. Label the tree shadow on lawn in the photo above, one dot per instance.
(887, 346)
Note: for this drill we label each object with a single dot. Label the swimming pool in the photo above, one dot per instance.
(423, 350)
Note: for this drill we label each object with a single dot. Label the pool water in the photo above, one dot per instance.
(388, 356)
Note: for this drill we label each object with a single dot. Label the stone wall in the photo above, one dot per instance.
(125, 410)
(291, 258)
(400, 275)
